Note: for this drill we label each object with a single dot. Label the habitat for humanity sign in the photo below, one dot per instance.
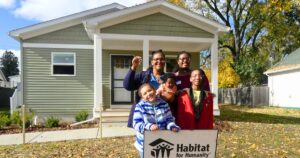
(183, 144)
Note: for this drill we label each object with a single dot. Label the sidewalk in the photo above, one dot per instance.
(87, 133)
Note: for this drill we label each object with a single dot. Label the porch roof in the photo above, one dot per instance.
(159, 6)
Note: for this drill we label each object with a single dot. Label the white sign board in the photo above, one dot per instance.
(183, 144)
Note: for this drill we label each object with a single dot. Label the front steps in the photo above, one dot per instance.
(115, 115)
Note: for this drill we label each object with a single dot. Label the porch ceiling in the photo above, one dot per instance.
(117, 44)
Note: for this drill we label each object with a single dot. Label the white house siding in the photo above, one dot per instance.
(285, 89)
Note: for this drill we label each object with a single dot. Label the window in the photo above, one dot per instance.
(120, 65)
(63, 64)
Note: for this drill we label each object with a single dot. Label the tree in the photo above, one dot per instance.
(246, 18)
(10, 64)
(227, 77)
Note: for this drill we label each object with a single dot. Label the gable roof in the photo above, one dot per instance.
(115, 13)
(62, 22)
(158, 6)
(291, 62)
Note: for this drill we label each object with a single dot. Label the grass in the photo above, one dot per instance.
(261, 132)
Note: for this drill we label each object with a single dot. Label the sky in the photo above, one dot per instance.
(16, 14)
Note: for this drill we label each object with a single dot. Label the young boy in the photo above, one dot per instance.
(195, 105)
(151, 114)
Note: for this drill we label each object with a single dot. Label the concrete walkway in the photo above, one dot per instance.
(87, 133)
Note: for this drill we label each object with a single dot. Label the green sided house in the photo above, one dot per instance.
(78, 62)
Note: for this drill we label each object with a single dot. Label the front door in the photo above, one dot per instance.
(120, 65)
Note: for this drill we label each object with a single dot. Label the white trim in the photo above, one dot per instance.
(59, 23)
(98, 87)
(271, 72)
(52, 45)
(214, 72)
(156, 7)
(156, 38)
(110, 81)
(145, 54)
(69, 64)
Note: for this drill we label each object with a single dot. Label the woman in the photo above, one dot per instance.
(152, 76)
(195, 104)
(183, 72)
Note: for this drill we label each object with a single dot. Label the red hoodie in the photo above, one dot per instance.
(186, 115)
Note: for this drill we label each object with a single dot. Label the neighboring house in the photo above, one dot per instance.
(283, 82)
(78, 62)
(14, 80)
(3, 81)
(2, 76)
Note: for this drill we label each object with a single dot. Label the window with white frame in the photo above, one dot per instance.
(63, 64)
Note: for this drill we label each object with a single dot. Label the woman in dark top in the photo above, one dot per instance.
(152, 76)
(183, 72)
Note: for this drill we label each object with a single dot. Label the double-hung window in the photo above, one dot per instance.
(63, 64)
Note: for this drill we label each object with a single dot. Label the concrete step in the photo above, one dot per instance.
(115, 114)
(114, 119)
(118, 109)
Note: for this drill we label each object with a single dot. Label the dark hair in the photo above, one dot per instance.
(176, 68)
(204, 80)
(166, 76)
(142, 86)
(203, 88)
(183, 52)
(159, 51)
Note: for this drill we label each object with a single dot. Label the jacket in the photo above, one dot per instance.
(186, 118)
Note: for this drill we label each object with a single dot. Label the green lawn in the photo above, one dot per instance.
(246, 132)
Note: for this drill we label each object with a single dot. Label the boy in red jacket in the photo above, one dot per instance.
(195, 105)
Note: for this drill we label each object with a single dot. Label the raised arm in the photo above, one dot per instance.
(132, 80)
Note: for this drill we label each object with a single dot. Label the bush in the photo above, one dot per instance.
(52, 122)
(4, 120)
(81, 116)
(17, 118)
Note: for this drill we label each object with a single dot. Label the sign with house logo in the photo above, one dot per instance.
(184, 144)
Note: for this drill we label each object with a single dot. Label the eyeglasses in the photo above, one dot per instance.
(159, 59)
(186, 59)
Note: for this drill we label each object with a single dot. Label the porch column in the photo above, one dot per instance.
(145, 54)
(98, 89)
(214, 72)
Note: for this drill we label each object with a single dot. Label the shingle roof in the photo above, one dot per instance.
(291, 62)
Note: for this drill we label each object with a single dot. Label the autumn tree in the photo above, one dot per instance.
(227, 77)
(246, 18)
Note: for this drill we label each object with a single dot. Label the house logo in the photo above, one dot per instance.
(161, 148)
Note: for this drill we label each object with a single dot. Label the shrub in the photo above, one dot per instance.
(52, 122)
(81, 116)
(17, 118)
(4, 120)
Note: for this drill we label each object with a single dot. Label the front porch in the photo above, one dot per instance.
(141, 45)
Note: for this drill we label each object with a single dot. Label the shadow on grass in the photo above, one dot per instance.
(229, 114)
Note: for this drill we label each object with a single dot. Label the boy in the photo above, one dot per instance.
(195, 105)
(151, 114)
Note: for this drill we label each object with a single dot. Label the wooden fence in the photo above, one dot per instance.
(254, 96)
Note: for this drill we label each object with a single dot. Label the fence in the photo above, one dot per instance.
(254, 96)
(15, 99)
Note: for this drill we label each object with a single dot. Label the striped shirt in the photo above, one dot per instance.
(147, 114)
